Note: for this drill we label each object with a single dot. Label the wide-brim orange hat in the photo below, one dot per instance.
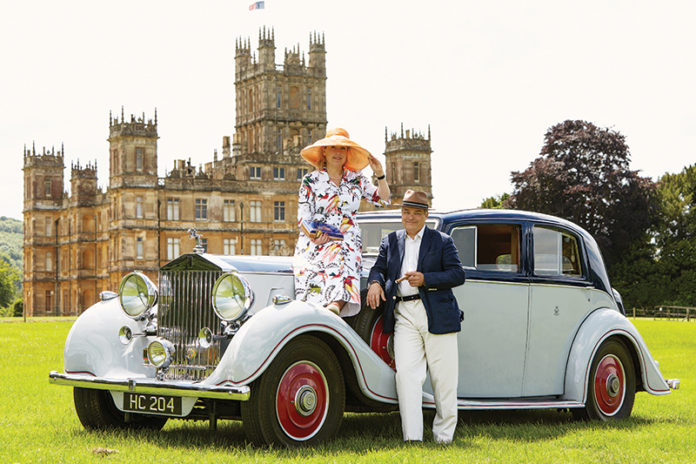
(356, 159)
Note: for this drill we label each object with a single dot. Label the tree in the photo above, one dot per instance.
(495, 202)
(583, 175)
(9, 278)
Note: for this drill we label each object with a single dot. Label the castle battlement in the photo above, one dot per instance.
(89, 171)
(136, 127)
(408, 140)
(45, 158)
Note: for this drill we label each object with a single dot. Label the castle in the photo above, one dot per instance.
(242, 202)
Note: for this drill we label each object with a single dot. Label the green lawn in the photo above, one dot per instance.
(39, 424)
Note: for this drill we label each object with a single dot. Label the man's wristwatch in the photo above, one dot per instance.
(374, 282)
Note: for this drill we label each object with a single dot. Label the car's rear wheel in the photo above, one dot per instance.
(96, 410)
(299, 399)
(611, 385)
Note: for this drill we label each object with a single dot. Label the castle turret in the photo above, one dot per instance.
(43, 178)
(267, 49)
(408, 163)
(242, 55)
(133, 151)
(317, 53)
(83, 184)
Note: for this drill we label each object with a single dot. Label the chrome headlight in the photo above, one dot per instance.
(137, 294)
(160, 352)
(232, 296)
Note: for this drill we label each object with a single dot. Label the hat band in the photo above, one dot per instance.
(414, 204)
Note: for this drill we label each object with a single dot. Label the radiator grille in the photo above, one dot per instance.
(185, 307)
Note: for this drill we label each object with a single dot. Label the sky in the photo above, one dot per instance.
(488, 77)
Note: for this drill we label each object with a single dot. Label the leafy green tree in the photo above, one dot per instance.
(582, 174)
(9, 279)
(495, 202)
(18, 308)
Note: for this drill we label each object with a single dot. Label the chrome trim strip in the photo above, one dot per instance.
(150, 387)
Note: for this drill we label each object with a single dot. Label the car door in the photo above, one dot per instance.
(560, 294)
(494, 300)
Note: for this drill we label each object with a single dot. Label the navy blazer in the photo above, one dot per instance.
(439, 262)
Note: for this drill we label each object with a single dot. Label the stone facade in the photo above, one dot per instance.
(242, 202)
(408, 162)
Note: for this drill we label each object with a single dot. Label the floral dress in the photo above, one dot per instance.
(331, 272)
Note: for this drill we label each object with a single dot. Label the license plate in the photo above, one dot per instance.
(152, 404)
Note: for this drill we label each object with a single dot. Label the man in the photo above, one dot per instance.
(414, 274)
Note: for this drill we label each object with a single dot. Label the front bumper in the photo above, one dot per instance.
(151, 387)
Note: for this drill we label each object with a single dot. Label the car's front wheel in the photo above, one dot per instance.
(612, 384)
(299, 399)
(96, 410)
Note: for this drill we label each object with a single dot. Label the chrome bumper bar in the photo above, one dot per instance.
(150, 387)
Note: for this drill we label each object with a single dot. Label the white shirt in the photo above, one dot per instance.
(410, 262)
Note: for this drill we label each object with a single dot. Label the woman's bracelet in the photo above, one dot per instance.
(381, 177)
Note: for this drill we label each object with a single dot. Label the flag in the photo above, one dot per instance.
(256, 5)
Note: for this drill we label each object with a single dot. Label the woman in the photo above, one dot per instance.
(327, 270)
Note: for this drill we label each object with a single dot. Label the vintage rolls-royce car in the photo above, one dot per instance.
(221, 337)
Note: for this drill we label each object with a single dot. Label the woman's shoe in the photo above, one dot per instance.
(334, 308)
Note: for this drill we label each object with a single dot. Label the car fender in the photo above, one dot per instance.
(597, 327)
(93, 346)
(262, 337)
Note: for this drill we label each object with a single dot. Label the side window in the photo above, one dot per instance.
(556, 253)
(489, 247)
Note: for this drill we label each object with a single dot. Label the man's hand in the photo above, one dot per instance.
(375, 295)
(415, 278)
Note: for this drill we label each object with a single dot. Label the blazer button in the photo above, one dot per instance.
(394, 297)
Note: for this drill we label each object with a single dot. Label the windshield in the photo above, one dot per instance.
(373, 230)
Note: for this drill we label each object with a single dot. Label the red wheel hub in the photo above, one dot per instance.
(609, 385)
(381, 343)
(302, 400)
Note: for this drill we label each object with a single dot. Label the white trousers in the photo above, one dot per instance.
(415, 349)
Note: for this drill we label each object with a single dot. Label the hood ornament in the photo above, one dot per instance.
(199, 248)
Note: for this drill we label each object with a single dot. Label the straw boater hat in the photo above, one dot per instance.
(356, 159)
(415, 199)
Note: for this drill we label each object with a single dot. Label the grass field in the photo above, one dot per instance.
(39, 424)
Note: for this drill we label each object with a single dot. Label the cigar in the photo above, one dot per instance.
(398, 281)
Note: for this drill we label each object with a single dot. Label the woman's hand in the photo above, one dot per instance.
(375, 165)
(320, 239)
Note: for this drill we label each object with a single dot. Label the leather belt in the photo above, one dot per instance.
(399, 299)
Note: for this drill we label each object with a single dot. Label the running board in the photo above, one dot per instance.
(511, 403)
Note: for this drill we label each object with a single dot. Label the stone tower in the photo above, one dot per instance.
(279, 108)
(43, 201)
(83, 184)
(408, 163)
(133, 151)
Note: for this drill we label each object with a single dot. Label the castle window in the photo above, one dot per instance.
(278, 173)
(255, 211)
(139, 207)
(309, 137)
(279, 211)
(173, 209)
(256, 247)
(229, 246)
(49, 261)
(139, 248)
(279, 140)
(204, 244)
(278, 97)
(49, 305)
(47, 188)
(139, 159)
(255, 172)
(301, 172)
(48, 227)
(309, 99)
(172, 248)
(228, 213)
(416, 172)
(201, 208)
